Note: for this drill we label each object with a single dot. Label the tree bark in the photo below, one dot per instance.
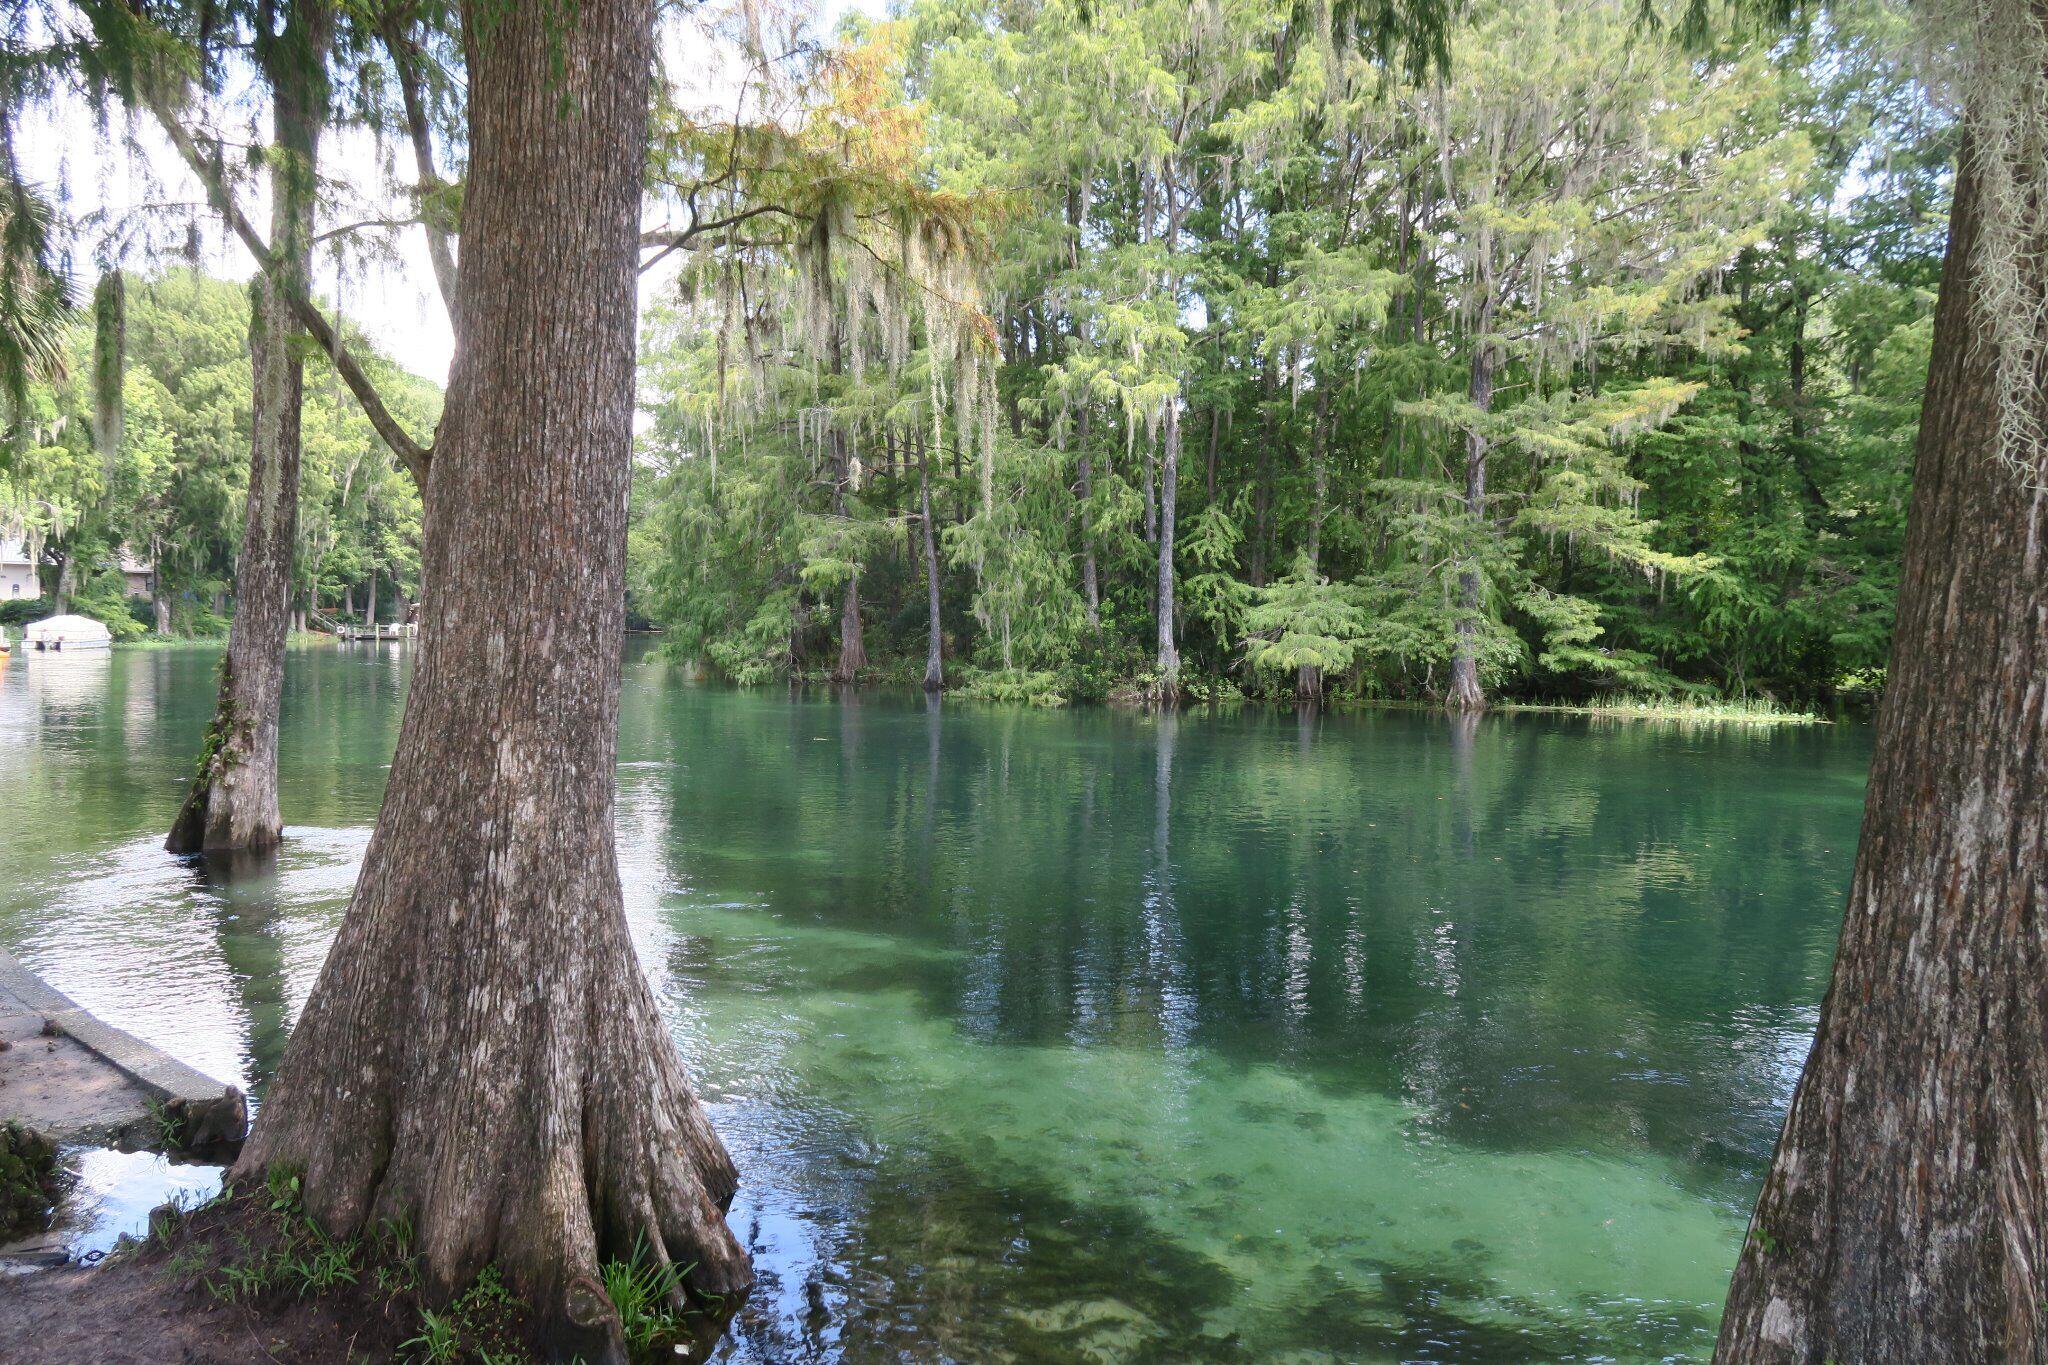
(159, 600)
(481, 1053)
(233, 801)
(1308, 679)
(853, 651)
(1169, 480)
(1091, 583)
(1169, 473)
(1903, 1216)
(1466, 694)
(934, 661)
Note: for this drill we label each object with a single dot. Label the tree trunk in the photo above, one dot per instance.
(1466, 693)
(853, 652)
(1903, 1217)
(233, 802)
(1091, 584)
(481, 1054)
(1151, 497)
(370, 606)
(934, 662)
(1308, 680)
(1169, 479)
(1169, 473)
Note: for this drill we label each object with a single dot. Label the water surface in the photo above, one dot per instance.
(1087, 1035)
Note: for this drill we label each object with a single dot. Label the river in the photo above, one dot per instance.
(1089, 1034)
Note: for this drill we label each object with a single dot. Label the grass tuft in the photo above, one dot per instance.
(646, 1294)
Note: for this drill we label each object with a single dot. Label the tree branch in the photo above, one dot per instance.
(414, 455)
(681, 239)
(365, 225)
(405, 58)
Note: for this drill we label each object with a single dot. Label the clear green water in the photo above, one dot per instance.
(1090, 1035)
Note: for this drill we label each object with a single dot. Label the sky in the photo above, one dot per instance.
(124, 182)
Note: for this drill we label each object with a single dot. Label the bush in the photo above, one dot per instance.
(109, 607)
(195, 620)
(19, 611)
(1017, 686)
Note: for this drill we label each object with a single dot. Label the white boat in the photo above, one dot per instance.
(61, 633)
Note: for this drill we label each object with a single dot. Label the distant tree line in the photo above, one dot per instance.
(1591, 366)
(172, 488)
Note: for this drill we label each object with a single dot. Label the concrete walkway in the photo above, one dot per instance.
(73, 1079)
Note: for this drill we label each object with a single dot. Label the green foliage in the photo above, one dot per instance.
(1303, 621)
(437, 1341)
(106, 602)
(159, 375)
(35, 298)
(1012, 686)
(21, 610)
(484, 1323)
(1677, 299)
(647, 1295)
(28, 1167)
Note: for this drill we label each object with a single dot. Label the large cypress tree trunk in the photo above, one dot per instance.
(233, 801)
(481, 1053)
(1904, 1213)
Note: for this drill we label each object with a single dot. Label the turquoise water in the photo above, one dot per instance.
(1089, 1035)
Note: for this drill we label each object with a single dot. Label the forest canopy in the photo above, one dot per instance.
(1584, 358)
(1587, 363)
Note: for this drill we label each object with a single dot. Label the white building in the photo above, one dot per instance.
(17, 571)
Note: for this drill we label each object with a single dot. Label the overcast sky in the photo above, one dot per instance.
(125, 180)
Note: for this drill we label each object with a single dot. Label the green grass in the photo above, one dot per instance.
(1682, 711)
(288, 1256)
(173, 642)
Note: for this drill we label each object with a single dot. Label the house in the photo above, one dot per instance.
(137, 574)
(18, 579)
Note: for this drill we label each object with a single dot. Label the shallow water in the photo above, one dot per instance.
(1086, 1035)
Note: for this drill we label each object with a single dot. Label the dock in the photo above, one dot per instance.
(76, 1080)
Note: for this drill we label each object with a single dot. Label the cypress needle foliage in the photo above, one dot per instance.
(1591, 353)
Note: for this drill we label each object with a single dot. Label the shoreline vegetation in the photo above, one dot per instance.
(1677, 710)
(1043, 691)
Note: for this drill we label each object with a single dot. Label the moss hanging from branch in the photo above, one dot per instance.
(109, 362)
(1991, 56)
